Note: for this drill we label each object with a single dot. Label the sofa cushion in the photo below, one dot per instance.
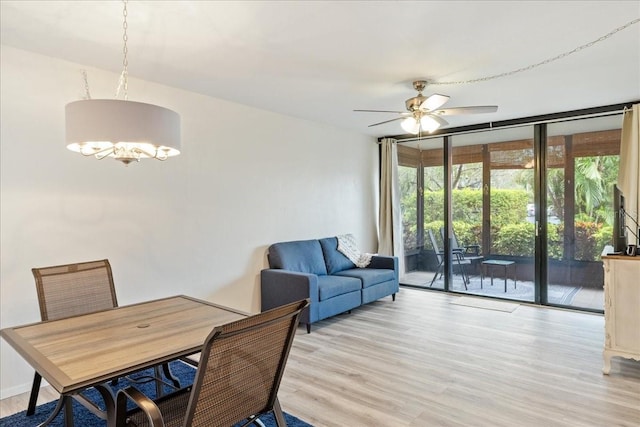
(331, 286)
(335, 260)
(304, 256)
(369, 276)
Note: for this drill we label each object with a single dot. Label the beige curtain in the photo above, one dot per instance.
(390, 218)
(629, 172)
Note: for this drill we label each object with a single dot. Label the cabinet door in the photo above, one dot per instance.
(626, 305)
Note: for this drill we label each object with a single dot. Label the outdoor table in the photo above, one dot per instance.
(498, 263)
(85, 351)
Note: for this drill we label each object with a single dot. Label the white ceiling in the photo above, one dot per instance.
(320, 60)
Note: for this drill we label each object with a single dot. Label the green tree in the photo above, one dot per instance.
(594, 178)
(408, 205)
(555, 191)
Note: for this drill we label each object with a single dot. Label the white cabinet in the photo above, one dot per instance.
(621, 308)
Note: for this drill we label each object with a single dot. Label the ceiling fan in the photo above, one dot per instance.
(423, 113)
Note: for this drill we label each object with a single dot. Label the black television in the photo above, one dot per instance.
(619, 229)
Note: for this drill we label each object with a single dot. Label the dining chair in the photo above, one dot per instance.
(237, 380)
(72, 290)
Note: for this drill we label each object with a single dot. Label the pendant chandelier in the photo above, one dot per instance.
(124, 130)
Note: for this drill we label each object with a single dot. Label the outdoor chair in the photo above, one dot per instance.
(458, 258)
(469, 252)
(73, 290)
(237, 380)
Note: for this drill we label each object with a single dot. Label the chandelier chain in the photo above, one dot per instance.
(125, 51)
(538, 64)
(87, 95)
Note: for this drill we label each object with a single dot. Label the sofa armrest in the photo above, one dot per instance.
(385, 262)
(280, 287)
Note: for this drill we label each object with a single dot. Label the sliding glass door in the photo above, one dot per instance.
(582, 158)
(421, 177)
(492, 194)
(521, 213)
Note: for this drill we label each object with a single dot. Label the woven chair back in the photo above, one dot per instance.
(74, 289)
(241, 367)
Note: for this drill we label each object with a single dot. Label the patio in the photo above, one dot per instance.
(575, 296)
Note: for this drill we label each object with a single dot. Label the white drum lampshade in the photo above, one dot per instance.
(125, 130)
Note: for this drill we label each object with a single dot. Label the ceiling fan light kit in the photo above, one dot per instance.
(423, 112)
(429, 123)
(426, 123)
(410, 125)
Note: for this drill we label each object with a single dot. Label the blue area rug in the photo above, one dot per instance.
(84, 418)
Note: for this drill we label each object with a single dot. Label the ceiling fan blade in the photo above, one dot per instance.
(479, 109)
(438, 119)
(386, 121)
(434, 101)
(379, 111)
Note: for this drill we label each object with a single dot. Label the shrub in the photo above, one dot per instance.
(433, 206)
(467, 206)
(586, 242)
(511, 233)
(603, 237)
(508, 207)
(514, 239)
(555, 245)
(468, 233)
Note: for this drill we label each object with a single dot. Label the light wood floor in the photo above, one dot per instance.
(422, 361)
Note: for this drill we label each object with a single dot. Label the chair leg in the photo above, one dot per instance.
(158, 380)
(465, 279)
(166, 369)
(308, 328)
(167, 373)
(278, 415)
(55, 412)
(33, 398)
(436, 275)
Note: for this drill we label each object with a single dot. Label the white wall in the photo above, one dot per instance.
(198, 224)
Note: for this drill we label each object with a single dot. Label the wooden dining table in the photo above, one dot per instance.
(79, 352)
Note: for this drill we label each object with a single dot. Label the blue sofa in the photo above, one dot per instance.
(315, 269)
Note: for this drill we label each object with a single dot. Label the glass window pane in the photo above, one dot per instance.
(582, 167)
